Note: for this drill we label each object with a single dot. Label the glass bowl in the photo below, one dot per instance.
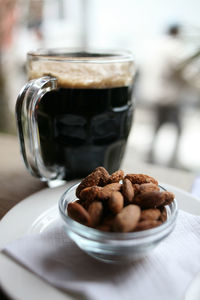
(114, 247)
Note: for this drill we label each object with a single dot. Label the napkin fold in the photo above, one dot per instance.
(164, 274)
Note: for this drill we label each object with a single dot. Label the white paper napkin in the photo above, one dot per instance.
(164, 274)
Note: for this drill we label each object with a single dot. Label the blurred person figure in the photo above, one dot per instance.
(160, 83)
(20, 31)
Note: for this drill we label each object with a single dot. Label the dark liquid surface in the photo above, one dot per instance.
(81, 129)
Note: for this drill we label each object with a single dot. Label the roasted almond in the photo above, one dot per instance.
(148, 187)
(127, 219)
(169, 198)
(147, 224)
(116, 202)
(116, 176)
(120, 203)
(95, 211)
(98, 177)
(104, 176)
(106, 191)
(136, 188)
(149, 199)
(90, 194)
(78, 213)
(150, 214)
(127, 190)
(141, 178)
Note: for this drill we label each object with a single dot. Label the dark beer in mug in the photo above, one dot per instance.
(81, 129)
(75, 113)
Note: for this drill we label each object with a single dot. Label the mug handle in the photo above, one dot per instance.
(27, 123)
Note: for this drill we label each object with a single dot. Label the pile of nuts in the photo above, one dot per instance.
(118, 203)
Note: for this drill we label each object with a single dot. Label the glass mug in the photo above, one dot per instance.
(76, 111)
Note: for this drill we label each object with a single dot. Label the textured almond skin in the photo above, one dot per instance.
(116, 176)
(98, 177)
(104, 176)
(163, 216)
(150, 214)
(127, 219)
(90, 180)
(148, 187)
(169, 198)
(116, 202)
(107, 204)
(149, 199)
(147, 224)
(127, 190)
(95, 211)
(78, 213)
(89, 194)
(141, 178)
(106, 191)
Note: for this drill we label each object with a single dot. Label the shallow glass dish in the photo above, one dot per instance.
(113, 247)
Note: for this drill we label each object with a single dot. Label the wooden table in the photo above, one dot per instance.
(16, 183)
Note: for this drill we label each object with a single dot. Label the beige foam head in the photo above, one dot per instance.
(84, 75)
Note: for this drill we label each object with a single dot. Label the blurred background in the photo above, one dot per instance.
(164, 37)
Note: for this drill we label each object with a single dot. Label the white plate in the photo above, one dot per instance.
(35, 214)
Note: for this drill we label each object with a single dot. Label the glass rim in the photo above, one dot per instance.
(82, 55)
(94, 234)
